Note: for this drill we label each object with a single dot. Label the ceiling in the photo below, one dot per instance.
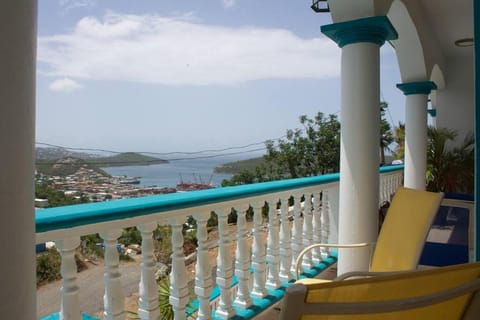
(450, 20)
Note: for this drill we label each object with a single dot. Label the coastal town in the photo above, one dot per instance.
(90, 184)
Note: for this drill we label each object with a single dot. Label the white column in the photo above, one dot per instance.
(18, 37)
(178, 277)
(148, 290)
(273, 246)
(203, 271)
(285, 243)
(416, 132)
(307, 261)
(242, 260)
(69, 305)
(113, 300)
(224, 267)
(297, 231)
(259, 252)
(360, 41)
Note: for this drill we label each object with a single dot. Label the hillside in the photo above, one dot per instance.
(126, 159)
(64, 167)
(52, 153)
(237, 166)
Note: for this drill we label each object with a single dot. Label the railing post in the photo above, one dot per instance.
(307, 262)
(224, 267)
(178, 278)
(203, 271)
(297, 232)
(113, 299)
(148, 288)
(317, 227)
(70, 307)
(259, 252)
(285, 243)
(325, 222)
(273, 247)
(242, 259)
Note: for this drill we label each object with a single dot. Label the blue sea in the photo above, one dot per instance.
(169, 174)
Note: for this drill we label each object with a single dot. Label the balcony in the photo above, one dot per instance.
(300, 212)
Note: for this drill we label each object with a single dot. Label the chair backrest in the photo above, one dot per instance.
(442, 293)
(405, 229)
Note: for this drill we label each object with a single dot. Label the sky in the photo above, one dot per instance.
(169, 75)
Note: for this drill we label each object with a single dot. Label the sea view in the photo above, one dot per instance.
(169, 174)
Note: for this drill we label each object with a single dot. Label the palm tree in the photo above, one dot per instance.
(386, 136)
(449, 169)
(399, 139)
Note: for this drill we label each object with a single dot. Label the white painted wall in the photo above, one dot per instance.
(455, 103)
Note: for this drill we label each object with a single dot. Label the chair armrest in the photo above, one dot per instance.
(367, 274)
(324, 245)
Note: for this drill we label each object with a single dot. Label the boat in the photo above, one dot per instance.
(129, 180)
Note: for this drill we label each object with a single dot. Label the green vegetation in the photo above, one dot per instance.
(239, 166)
(56, 198)
(311, 151)
(126, 159)
(64, 167)
(449, 169)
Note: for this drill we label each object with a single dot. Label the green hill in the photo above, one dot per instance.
(238, 166)
(126, 159)
(64, 167)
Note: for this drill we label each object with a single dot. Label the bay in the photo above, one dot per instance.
(169, 174)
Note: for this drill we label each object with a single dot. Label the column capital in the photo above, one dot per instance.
(372, 29)
(419, 87)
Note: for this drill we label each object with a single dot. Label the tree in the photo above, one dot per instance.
(386, 135)
(312, 151)
(449, 169)
(399, 139)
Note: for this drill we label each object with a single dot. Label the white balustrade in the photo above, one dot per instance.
(285, 243)
(203, 271)
(273, 247)
(224, 267)
(307, 261)
(178, 278)
(242, 259)
(113, 299)
(259, 253)
(325, 222)
(297, 231)
(69, 307)
(317, 226)
(270, 255)
(148, 290)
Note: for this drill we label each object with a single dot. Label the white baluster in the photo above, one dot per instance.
(70, 307)
(224, 267)
(148, 290)
(273, 247)
(307, 231)
(259, 253)
(178, 278)
(113, 299)
(242, 259)
(203, 271)
(325, 222)
(297, 232)
(285, 243)
(317, 227)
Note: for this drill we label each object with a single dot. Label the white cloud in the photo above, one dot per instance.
(182, 51)
(68, 5)
(64, 85)
(228, 3)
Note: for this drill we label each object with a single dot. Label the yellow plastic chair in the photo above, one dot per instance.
(443, 293)
(403, 234)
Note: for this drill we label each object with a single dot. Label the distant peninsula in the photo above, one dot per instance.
(56, 161)
(126, 159)
(238, 166)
